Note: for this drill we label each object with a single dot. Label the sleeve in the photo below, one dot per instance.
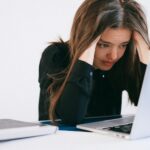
(73, 103)
(48, 64)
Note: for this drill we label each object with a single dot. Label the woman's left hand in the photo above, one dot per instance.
(142, 48)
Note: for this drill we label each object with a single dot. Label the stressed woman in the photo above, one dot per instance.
(106, 53)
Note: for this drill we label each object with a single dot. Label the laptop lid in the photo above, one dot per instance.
(141, 124)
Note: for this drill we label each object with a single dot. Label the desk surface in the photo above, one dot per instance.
(75, 140)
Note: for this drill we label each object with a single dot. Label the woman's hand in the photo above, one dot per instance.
(142, 48)
(88, 54)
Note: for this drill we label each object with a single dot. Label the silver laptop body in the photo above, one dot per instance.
(130, 127)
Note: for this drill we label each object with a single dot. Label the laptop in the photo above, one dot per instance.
(11, 129)
(128, 126)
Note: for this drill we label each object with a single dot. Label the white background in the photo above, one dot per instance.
(26, 27)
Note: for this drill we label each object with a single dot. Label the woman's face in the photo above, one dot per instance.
(111, 47)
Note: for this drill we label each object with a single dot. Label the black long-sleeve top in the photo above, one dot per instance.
(88, 91)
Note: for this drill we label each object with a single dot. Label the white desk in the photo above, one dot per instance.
(75, 140)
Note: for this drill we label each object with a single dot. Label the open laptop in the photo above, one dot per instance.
(130, 127)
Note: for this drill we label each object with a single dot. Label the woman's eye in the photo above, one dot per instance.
(124, 46)
(101, 45)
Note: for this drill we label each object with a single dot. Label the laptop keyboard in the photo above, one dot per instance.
(110, 123)
(123, 125)
(121, 128)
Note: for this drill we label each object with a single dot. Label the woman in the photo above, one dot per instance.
(107, 53)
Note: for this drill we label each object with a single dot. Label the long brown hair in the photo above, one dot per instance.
(91, 19)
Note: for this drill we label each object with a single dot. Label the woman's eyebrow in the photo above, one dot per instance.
(101, 40)
(126, 42)
(105, 41)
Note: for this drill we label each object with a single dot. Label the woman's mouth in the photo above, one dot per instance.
(108, 63)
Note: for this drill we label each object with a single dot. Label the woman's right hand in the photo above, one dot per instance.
(88, 54)
(142, 48)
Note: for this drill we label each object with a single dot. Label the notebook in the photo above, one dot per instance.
(14, 129)
(130, 127)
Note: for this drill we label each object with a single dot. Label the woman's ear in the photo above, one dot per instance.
(142, 48)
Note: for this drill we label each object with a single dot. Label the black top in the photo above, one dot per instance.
(88, 92)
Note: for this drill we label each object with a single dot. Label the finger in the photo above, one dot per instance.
(139, 39)
(97, 39)
(142, 48)
(135, 35)
(88, 54)
(94, 43)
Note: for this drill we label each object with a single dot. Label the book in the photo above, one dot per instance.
(14, 129)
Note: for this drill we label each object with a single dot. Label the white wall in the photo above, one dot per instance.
(26, 26)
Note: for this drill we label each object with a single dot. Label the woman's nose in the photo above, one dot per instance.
(112, 55)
